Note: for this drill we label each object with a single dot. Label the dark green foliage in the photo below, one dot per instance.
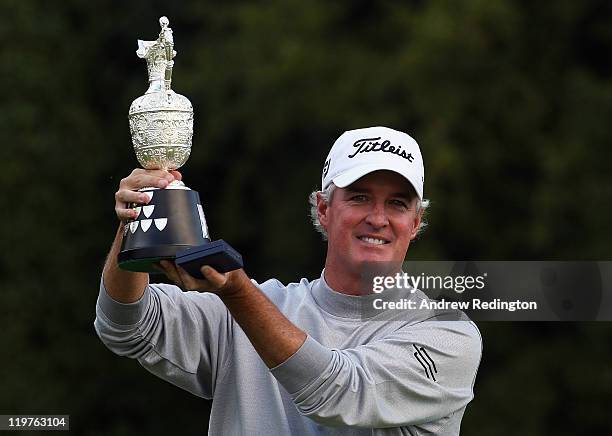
(510, 101)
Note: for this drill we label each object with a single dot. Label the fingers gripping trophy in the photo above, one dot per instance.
(172, 225)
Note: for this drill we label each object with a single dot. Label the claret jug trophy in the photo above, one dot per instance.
(172, 225)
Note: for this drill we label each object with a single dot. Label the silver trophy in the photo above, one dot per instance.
(161, 121)
(161, 124)
(172, 225)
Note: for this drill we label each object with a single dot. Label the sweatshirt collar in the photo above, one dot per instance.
(361, 307)
(342, 305)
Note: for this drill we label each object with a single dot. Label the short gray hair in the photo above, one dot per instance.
(327, 194)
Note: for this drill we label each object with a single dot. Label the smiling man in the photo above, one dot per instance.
(305, 358)
(372, 220)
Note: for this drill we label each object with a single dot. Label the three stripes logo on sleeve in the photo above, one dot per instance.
(426, 362)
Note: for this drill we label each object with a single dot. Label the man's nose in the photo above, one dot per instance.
(377, 217)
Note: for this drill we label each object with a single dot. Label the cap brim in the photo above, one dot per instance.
(355, 173)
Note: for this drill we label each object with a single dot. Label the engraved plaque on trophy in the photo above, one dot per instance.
(161, 125)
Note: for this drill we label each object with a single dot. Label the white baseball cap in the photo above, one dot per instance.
(361, 151)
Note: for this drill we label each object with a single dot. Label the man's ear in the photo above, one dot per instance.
(417, 223)
(322, 211)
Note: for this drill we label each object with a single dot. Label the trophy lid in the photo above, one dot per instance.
(159, 55)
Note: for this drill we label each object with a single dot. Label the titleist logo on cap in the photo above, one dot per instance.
(367, 145)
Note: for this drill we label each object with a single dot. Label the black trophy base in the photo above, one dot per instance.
(218, 254)
(172, 221)
(143, 259)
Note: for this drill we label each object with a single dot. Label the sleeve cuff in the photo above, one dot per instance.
(305, 365)
(123, 313)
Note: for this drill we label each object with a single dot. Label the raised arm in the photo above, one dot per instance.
(125, 286)
(183, 337)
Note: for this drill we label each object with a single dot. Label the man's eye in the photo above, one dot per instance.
(399, 203)
(359, 198)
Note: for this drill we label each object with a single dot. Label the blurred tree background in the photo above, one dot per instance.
(510, 100)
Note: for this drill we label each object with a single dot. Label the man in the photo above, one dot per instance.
(304, 358)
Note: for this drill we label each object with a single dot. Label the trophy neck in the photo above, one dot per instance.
(157, 65)
(156, 85)
(175, 184)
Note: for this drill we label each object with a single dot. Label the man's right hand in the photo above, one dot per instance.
(139, 178)
(126, 286)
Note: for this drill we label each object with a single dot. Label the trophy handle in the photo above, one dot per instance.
(167, 40)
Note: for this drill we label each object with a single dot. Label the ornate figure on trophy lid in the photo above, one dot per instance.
(172, 225)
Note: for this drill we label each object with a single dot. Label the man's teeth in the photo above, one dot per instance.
(373, 240)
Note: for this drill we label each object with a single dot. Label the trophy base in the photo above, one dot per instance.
(173, 220)
(218, 254)
(143, 259)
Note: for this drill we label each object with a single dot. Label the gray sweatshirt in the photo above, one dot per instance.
(357, 373)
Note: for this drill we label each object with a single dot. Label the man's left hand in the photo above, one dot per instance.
(222, 284)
